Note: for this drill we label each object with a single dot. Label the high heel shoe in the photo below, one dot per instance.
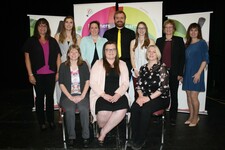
(187, 122)
(194, 124)
(101, 140)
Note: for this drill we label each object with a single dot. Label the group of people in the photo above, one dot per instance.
(93, 75)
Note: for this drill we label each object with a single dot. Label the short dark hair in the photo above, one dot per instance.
(120, 12)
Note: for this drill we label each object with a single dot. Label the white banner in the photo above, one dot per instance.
(182, 22)
(148, 12)
(85, 13)
(55, 23)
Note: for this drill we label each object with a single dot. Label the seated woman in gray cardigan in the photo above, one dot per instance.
(74, 82)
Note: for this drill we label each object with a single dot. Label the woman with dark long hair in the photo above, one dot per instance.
(109, 82)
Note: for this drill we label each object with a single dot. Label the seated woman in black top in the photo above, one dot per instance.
(153, 95)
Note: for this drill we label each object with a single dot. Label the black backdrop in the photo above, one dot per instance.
(15, 30)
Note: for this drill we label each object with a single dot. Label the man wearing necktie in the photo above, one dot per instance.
(119, 42)
(123, 36)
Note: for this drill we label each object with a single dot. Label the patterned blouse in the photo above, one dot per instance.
(155, 79)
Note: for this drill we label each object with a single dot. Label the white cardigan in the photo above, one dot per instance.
(97, 83)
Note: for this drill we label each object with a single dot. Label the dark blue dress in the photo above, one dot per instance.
(195, 54)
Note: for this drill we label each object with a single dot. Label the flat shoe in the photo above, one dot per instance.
(137, 147)
(70, 143)
(172, 122)
(130, 143)
(100, 143)
(85, 143)
(43, 127)
(52, 125)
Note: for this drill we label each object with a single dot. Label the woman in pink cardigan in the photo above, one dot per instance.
(109, 81)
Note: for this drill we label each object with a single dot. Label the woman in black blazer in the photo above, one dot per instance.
(173, 55)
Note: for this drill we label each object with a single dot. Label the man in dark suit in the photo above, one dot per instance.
(126, 36)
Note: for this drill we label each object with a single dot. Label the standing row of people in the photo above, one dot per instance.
(93, 64)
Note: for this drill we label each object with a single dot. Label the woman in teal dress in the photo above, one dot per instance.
(196, 59)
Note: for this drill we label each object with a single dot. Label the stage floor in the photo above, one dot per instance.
(19, 129)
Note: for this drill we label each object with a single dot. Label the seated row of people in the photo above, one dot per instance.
(109, 101)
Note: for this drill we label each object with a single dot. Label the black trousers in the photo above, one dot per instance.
(140, 118)
(173, 83)
(44, 88)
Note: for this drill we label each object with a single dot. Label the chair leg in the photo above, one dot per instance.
(63, 130)
(163, 129)
(119, 140)
(95, 130)
(118, 136)
(163, 132)
(128, 131)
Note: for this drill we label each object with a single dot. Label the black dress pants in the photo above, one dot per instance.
(173, 83)
(140, 118)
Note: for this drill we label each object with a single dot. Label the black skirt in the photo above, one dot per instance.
(102, 104)
(111, 85)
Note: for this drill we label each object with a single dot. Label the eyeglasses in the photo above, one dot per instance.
(113, 49)
(169, 27)
(42, 25)
(143, 28)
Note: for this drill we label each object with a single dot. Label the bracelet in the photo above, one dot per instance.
(149, 97)
(31, 74)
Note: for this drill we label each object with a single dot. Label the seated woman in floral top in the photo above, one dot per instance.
(153, 95)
